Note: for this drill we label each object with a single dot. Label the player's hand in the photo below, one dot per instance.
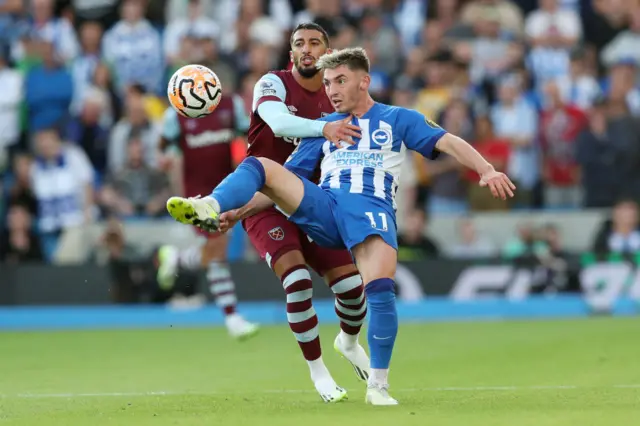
(341, 131)
(228, 220)
(499, 184)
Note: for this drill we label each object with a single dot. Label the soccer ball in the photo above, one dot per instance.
(194, 91)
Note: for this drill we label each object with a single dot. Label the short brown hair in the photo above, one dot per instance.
(354, 58)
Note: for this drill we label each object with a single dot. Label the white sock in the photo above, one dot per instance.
(379, 376)
(318, 370)
(191, 258)
(348, 340)
(213, 203)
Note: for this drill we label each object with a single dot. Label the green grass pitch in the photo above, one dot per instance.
(538, 373)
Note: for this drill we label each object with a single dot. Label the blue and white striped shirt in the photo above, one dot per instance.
(373, 164)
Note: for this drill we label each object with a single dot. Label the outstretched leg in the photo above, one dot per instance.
(251, 176)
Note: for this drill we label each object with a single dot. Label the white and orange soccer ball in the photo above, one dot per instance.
(194, 91)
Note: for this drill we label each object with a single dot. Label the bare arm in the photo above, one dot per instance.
(464, 153)
(498, 182)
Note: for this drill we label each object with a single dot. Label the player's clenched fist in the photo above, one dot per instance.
(341, 131)
(499, 184)
(228, 220)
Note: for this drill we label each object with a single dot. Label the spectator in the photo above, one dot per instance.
(560, 126)
(412, 243)
(19, 243)
(526, 246)
(509, 16)
(137, 189)
(469, 244)
(620, 234)
(346, 36)
(625, 45)
(20, 191)
(196, 23)
(622, 85)
(384, 39)
(601, 149)
(448, 192)
(436, 94)
(83, 68)
(10, 25)
(133, 50)
(492, 52)
(49, 91)
(608, 19)
(62, 179)
(104, 12)
(578, 87)
(553, 32)
(315, 9)
(413, 70)
(12, 89)
(380, 86)
(515, 119)
(90, 129)
(553, 27)
(57, 31)
(498, 152)
(134, 123)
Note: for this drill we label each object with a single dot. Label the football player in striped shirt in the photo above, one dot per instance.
(354, 204)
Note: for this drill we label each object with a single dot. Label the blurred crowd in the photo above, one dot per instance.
(547, 90)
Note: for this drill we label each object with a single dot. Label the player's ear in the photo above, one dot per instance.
(291, 55)
(365, 82)
(329, 51)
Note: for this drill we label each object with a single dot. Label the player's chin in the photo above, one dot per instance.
(308, 71)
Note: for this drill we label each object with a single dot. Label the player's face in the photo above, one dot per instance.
(306, 48)
(345, 87)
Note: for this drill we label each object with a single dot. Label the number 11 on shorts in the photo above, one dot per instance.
(383, 220)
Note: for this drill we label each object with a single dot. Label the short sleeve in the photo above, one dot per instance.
(170, 125)
(419, 133)
(269, 88)
(304, 160)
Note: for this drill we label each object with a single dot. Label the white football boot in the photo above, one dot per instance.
(356, 355)
(379, 395)
(239, 328)
(329, 390)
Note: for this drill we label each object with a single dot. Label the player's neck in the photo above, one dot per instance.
(363, 107)
(312, 84)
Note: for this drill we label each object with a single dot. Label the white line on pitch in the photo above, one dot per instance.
(300, 391)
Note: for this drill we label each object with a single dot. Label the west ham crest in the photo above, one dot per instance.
(276, 234)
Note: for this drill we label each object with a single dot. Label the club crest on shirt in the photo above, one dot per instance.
(276, 234)
(381, 137)
(431, 123)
